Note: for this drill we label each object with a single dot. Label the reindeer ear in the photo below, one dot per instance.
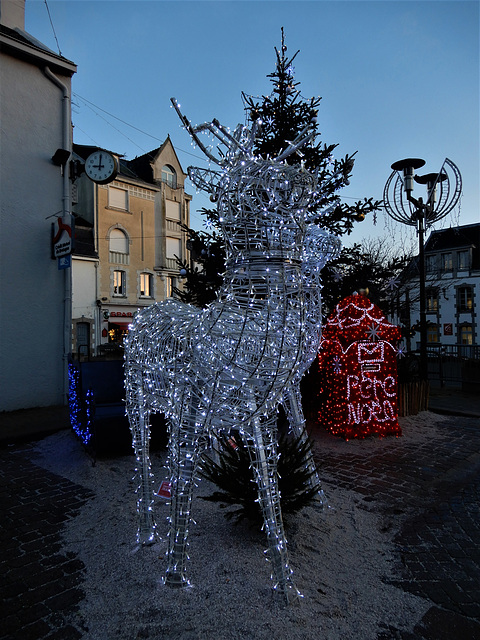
(204, 179)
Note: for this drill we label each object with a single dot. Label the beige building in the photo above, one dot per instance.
(128, 237)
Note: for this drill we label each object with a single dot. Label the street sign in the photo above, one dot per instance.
(62, 237)
(64, 262)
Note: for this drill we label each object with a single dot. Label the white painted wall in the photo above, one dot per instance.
(31, 286)
(84, 292)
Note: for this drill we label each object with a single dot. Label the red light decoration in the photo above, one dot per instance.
(358, 366)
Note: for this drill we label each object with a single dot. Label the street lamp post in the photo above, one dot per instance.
(443, 191)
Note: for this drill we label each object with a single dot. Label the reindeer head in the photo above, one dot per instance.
(248, 184)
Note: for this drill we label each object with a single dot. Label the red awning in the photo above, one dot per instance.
(121, 322)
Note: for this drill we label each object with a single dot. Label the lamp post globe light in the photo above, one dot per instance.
(443, 192)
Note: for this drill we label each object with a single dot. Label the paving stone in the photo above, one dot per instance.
(427, 498)
(438, 524)
(37, 579)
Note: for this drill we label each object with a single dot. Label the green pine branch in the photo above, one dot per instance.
(234, 476)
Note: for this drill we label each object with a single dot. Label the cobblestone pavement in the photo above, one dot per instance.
(425, 489)
(39, 586)
(428, 495)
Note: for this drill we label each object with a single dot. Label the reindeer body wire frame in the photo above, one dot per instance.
(230, 365)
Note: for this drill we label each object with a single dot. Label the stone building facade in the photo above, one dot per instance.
(129, 236)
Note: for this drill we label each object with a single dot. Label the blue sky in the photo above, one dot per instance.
(398, 78)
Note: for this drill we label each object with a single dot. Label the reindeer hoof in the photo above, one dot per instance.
(147, 537)
(291, 593)
(176, 580)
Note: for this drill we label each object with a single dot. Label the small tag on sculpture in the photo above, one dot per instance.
(164, 490)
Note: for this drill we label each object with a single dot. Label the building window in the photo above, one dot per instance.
(172, 210)
(146, 285)
(169, 285)
(430, 264)
(447, 262)
(83, 338)
(465, 299)
(173, 250)
(432, 333)
(169, 176)
(118, 198)
(119, 288)
(463, 260)
(118, 247)
(466, 334)
(432, 300)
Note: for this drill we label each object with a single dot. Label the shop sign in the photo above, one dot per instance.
(448, 329)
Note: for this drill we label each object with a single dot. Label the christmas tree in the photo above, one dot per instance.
(283, 115)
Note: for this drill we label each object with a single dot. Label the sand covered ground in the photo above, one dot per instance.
(342, 561)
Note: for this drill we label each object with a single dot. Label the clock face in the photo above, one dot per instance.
(101, 167)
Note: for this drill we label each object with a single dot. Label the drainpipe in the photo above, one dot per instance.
(66, 211)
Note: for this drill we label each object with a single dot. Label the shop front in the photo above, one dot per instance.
(115, 322)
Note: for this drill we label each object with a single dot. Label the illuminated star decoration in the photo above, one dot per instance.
(337, 364)
(372, 332)
(393, 283)
(337, 275)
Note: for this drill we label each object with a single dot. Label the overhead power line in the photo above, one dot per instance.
(111, 115)
(53, 28)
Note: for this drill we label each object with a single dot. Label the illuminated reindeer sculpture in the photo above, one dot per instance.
(230, 365)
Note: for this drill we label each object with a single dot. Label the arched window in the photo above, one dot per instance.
(118, 246)
(169, 176)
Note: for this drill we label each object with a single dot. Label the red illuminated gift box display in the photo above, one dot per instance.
(358, 371)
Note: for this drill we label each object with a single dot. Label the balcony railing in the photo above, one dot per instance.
(469, 351)
(119, 258)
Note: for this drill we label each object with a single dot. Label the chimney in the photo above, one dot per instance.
(12, 14)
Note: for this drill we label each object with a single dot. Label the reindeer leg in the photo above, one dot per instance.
(184, 449)
(262, 448)
(293, 408)
(138, 417)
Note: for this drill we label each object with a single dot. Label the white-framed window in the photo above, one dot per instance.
(169, 285)
(431, 264)
(146, 285)
(432, 333)
(465, 299)
(172, 210)
(169, 176)
(118, 246)
(466, 334)
(118, 198)
(463, 260)
(173, 250)
(119, 283)
(432, 300)
(447, 261)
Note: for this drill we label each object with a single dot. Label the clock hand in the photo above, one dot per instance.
(99, 165)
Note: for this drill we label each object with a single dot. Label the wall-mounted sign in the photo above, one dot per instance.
(62, 237)
(448, 329)
(64, 262)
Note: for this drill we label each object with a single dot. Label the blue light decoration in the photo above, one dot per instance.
(229, 366)
(81, 408)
